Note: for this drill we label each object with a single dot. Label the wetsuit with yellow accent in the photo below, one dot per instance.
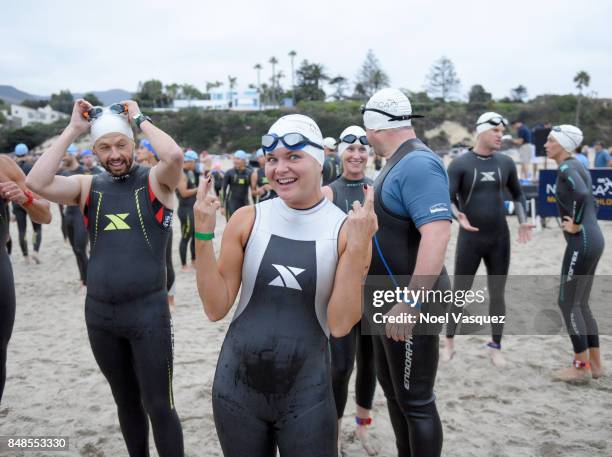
(7, 292)
(262, 181)
(126, 309)
(21, 216)
(185, 214)
(235, 189)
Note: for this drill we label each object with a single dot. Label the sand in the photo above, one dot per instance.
(54, 386)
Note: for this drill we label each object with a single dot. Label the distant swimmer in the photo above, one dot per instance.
(13, 189)
(585, 244)
(186, 192)
(299, 262)
(261, 189)
(236, 185)
(354, 151)
(332, 166)
(478, 180)
(128, 212)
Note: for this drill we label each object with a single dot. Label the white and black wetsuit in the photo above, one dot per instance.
(272, 384)
(355, 345)
(575, 199)
(7, 292)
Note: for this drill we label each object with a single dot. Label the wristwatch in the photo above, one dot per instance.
(140, 118)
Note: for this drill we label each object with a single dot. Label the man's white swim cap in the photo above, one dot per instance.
(329, 143)
(298, 123)
(394, 103)
(490, 120)
(109, 122)
(352, 130)
(568, 136)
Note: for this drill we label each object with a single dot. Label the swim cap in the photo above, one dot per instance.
(488, 121)
(217, 165)
(568, 136)
(298, 123)
(109, 122)
(352, 130)
(391, 101)
(329, 142)
(259, 153)
(21, 150)
(86, 152)
(240, 154)
(72, 149)
(191, 156)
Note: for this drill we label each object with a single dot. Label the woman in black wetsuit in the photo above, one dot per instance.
(12, 189)
(585, 244)
(299, 262)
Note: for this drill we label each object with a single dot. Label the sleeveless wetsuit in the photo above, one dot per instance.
(575, 199)
(354, 345)
(185, 213)
(126, 309)
(272, 384)
(76, 230)
(477, 185)
(407, 370)
(21, 217)
(262, 181)
(7, 292)
(235, 188)
(332, 169)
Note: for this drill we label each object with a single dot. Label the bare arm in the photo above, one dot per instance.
(183, 190)
(328, 193)
(430, 257)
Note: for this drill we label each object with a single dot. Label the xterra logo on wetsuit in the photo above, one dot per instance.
(287, 277)
(487, 176)
(117, 222)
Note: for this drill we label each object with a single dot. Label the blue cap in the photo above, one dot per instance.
(240, 154)
(87, 152)
(21, 150)
(72, 149)
(259, 153)
(147, 144)
(191, 156)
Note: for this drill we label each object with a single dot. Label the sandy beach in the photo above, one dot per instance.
(54, 386)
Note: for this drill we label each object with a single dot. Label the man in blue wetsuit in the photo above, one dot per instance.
(413, 209)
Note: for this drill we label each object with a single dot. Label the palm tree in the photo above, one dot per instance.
(582, 80)
(258, 68)
(273, 60)
(232, 85)
(292, 54)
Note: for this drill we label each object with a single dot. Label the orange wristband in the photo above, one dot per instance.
(30, 196)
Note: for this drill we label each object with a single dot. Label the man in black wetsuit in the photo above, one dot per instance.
(128, 213)
(478, 180)
(186, 193)
(89, 163)
(261, 189)
(413, 209)
(349, 187)
(24, 160)
(585, 245)
(236, 185)
(332, 164)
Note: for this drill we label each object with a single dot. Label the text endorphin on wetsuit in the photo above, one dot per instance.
(575, 199)
(477, 185)
(235, 189)
(354, 345)
(185, 213)
(272, 384)
(7, 292)
(262, 181)
(410, 191)
(126, 309)
(21, 217)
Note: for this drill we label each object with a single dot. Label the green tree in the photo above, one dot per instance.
(62, 102)
(371, 77)
(150, 94)
(34, 104)
(91, 98)
(479, 95)
(191, 92)
(173, 91)
(518, 94)
(310, 77)
(582, 80)
(442, 80)
(273, 61)
(340, 84)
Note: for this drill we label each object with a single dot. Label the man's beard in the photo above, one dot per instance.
(129, 163)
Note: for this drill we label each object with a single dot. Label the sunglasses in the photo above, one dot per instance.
(495, 121)
(291, 141)
(392, 117)
(96, 111)
(350, 139)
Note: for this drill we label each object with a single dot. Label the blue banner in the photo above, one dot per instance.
(602, 191)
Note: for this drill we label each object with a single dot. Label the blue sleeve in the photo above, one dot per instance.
(417, 187)
(525, 134)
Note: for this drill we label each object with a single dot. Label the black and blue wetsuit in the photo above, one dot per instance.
(355, 345)
(410, 191)
(126, 309)
(477, 185)
(7, 292)
(575, 199)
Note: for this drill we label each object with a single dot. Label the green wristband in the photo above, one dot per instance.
(204, 236)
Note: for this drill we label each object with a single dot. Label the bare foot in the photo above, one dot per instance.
(362, 435)
(573, 374)
(35, 258)
(27, 260)
(171, 304)
(186, 269)
(447, 353)
(497, 358)
(597, 372)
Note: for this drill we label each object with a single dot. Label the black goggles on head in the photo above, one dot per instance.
(291, 141)
(495, 121)
(392, 117)
(96, 111)
(350, 139)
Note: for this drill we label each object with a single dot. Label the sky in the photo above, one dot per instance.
(85, 45)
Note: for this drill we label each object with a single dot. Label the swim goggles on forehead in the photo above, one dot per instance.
(291, 141)
(97, 111)
(392, 117)
(558, 129)
(350, 139)
(495, 121)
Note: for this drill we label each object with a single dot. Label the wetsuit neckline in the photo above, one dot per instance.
(481, 156)
(352, 180)
(304, 211)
